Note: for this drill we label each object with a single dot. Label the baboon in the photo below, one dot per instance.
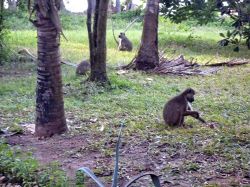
(124, 43)
(25, 55)
(83, 68)
(178, 107)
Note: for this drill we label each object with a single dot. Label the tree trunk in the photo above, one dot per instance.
(97, 41)
(93, 6)
(12, 5)
(129, 4)
(1, 30)
(50, 117)
(118, 6)
(1, 15)
(148, 57)
(62, 6)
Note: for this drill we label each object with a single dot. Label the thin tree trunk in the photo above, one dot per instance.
(1, 30)
(129, 5)
(90, 33)
(50, 117)
(62, 6)
(118, 6)
(97, 42)
(12, 5)
(148, 56)
(1, 15)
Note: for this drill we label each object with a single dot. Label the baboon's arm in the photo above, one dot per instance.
(195, 115)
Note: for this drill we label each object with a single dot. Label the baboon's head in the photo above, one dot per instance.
(189, 94)
(121, 35)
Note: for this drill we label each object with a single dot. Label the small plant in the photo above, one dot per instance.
(86, 170)
(192, 166)
(23, 169)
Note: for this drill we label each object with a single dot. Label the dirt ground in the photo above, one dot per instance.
(137, 155)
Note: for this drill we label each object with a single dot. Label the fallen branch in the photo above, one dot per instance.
(26, 53)
(230, 63)
(131, 23)
(68, 63)
(116, 41)
(179, 66)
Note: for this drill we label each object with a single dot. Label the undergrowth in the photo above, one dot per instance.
(21, 168)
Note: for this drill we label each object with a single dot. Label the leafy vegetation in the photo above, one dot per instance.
(204, 11)
(239, 11)
(22, 168)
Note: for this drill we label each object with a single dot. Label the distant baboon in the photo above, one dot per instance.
(124, 43)
(178, 107)
(83, 68)
(24, 55)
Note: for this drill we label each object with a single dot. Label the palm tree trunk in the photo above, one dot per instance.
(148, 56)
(97, 41)
(50, 117)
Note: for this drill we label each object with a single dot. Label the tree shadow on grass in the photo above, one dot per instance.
(202, 49)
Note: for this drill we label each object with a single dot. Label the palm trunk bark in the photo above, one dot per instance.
(50, 117)
(97, 41)
(148, 56)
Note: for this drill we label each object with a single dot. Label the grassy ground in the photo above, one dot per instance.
(223, 98)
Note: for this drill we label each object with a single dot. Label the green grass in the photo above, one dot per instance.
(223, 98)
(195, 42)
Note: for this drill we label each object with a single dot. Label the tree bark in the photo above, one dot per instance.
(118, 6)
(12, 5)
(93, 6)
(50, 117)
(1, 30)
(1, 15)
(148, 56)
(128, 4)
(62, 6)
(97, 41)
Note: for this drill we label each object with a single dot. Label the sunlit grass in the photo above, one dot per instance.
(200, 43)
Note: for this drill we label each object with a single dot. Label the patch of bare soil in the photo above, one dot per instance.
(64, 149)
(175, 163)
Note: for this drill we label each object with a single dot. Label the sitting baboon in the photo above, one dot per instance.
(83, 68)
(25, 55)
(178, 107)
(124, 43)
